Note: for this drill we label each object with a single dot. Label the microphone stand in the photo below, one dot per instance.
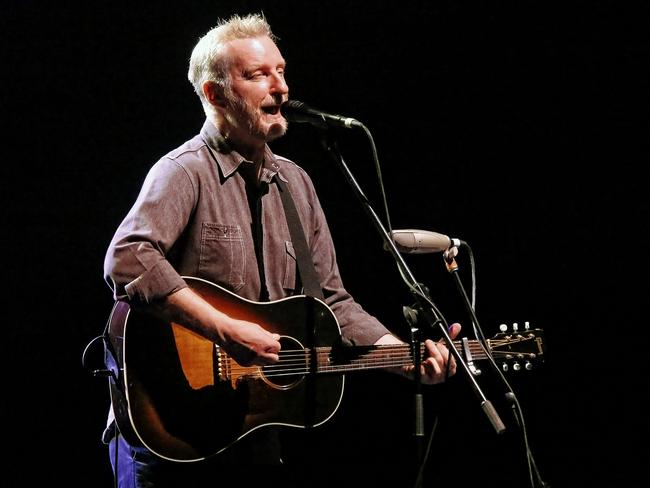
(452, 268)
(425, 305)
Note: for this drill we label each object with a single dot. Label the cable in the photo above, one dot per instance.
(375, 159)
(510, 395)
(105, 372)
(95, 372)
(418, 480)
(415, 288)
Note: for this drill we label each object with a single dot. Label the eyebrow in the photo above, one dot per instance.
(255, 67)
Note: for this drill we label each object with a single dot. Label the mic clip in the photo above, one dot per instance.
(416, 314)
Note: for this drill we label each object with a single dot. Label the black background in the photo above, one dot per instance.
(518, 126)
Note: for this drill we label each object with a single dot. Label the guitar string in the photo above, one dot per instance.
(304, 367)
(476, 349)
(381, 356)
(376, 350)
(258, 372)
(302, 355)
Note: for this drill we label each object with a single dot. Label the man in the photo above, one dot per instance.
(212, 209)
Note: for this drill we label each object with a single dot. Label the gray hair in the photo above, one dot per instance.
(208, 63)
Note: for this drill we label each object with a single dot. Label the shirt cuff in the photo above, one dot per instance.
(155, 283)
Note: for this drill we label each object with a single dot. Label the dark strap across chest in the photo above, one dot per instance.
(306, 268)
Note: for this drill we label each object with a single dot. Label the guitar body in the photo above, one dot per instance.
(183, 398)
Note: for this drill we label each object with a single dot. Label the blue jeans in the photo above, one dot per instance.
(137, 467)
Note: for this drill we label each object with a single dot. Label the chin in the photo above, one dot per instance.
(275, 131)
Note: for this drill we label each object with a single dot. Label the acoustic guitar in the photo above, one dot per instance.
(185, 399)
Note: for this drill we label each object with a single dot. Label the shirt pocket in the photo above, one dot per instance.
(290, 264)
(222, 256)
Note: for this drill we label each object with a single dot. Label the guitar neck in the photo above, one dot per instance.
(322, 360)
(376, 357)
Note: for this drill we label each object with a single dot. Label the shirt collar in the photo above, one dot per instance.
(230, 160)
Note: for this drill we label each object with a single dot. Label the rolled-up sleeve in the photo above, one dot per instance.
(136, 266)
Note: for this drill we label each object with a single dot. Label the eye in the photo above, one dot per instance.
(252, 75)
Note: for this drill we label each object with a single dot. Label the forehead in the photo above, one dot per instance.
(256, 51)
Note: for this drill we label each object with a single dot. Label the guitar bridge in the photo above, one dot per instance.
(226, 368)
(221, 364)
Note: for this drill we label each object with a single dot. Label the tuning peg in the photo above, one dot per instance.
(528, 366)
(505, 367)
(516, 366)
(515, 326)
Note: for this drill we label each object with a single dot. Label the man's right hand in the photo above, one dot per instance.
(249, 344)
(246, 342)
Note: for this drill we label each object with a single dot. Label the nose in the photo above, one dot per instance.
(279, 85)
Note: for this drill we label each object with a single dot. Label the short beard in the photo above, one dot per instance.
(245, 114)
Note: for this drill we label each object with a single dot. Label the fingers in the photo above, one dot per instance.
(454, 330)
(266, 358)
(440, 363)
(254, 346)
(268, 352)
(271, 352)
(250, 357)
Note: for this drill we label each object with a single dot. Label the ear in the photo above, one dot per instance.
(214, 94)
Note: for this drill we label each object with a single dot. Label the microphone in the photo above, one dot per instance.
(295, 111)
(414, 241)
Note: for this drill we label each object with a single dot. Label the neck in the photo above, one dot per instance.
(252, 172)
(249, 147)
(254, 154)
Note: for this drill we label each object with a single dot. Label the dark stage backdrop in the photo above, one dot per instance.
(518, 126)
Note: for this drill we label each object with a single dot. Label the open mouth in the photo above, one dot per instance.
(271, 109)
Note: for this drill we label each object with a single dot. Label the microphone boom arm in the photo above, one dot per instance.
(433, 314)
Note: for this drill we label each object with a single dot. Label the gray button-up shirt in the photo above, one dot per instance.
(193, 218)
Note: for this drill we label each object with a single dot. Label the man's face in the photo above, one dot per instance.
(258, 89)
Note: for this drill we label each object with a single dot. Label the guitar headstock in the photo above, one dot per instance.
(517, 349)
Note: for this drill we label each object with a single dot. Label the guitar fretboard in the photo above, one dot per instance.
(300, 361)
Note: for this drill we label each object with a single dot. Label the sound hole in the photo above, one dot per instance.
(291, 368)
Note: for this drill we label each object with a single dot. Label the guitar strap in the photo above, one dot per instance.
(306, 269)
(311, 287)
